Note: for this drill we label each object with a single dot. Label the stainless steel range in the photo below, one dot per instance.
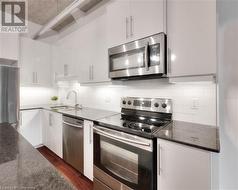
(124, 147)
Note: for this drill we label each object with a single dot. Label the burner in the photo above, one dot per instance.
(138, 126)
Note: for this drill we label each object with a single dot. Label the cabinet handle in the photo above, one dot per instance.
(127, 22)
(20, 119)
(159, 163)
(92, 72)
(89, 72)
(33, 77)
(66, 70)
(36, 76)
(50, 119)
(131, 25)
(169, 61)
(90, 133)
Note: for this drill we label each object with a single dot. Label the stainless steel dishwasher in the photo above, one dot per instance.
(73, 142)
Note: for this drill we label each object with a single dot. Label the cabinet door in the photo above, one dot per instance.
(92, 53)
(182, 168)
(57, 63)
(45, 128)
(26, 61)
(42, 63)
(35, 62)
(30, 126)
(191, 37)
(100, 65)
(9, 46)
(57, 135)
(147, 18)
(84, 58)
(118, 22)
(52, 132)
(88, 149)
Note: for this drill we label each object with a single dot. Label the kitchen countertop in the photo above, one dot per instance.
(84, 113)
(23, 167)
(88, 113)
(195, 135)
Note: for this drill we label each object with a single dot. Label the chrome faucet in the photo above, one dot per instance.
(76, 98)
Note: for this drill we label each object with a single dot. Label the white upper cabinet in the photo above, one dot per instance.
(147, 17)
(182, 167)
(130, 20)
(64, 62)
(9, 46)
(118, 13)
(191, 29)
(35, 63)
(83, 54)
(92, 56)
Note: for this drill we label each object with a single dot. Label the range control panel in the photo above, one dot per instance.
(147, 104)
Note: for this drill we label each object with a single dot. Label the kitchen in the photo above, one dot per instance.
(112, 94)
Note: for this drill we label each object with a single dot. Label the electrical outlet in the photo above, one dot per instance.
(195, 104)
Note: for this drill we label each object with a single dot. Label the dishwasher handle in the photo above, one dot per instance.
(72, 125)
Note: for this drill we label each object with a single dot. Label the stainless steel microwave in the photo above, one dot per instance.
(141, 58)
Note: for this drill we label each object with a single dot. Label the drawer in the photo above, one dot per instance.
(109, 181)
(97, 185)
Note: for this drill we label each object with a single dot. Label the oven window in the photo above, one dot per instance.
(119, 161)
(128, 60)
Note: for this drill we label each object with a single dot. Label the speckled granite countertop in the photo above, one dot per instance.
(91, 114)
(23, 167)
(191, 134)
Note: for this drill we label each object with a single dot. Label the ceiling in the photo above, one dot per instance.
(42, 11)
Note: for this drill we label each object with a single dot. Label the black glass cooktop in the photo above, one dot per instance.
(141, 126)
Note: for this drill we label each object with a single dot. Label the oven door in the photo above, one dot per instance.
(141, 57)
(127, 158)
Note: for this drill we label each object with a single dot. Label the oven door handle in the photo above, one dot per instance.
(120, 138)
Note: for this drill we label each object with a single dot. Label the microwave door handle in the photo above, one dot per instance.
(120, 138)
(146, 57)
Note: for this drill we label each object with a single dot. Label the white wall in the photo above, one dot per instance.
(108, 97)
(228, 92)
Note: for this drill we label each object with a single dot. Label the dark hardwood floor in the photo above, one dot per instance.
(76, 178)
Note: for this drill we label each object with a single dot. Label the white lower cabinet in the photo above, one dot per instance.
(52, 131)
(88, 149)
(30, 126)
(182, 168)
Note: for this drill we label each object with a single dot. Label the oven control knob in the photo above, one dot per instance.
(129, 102)
(156, 105)
(124, 102)
(164, 105)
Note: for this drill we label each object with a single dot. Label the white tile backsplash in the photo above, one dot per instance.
(36, 95)
(108, 97)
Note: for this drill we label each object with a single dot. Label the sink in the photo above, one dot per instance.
(65, 108)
